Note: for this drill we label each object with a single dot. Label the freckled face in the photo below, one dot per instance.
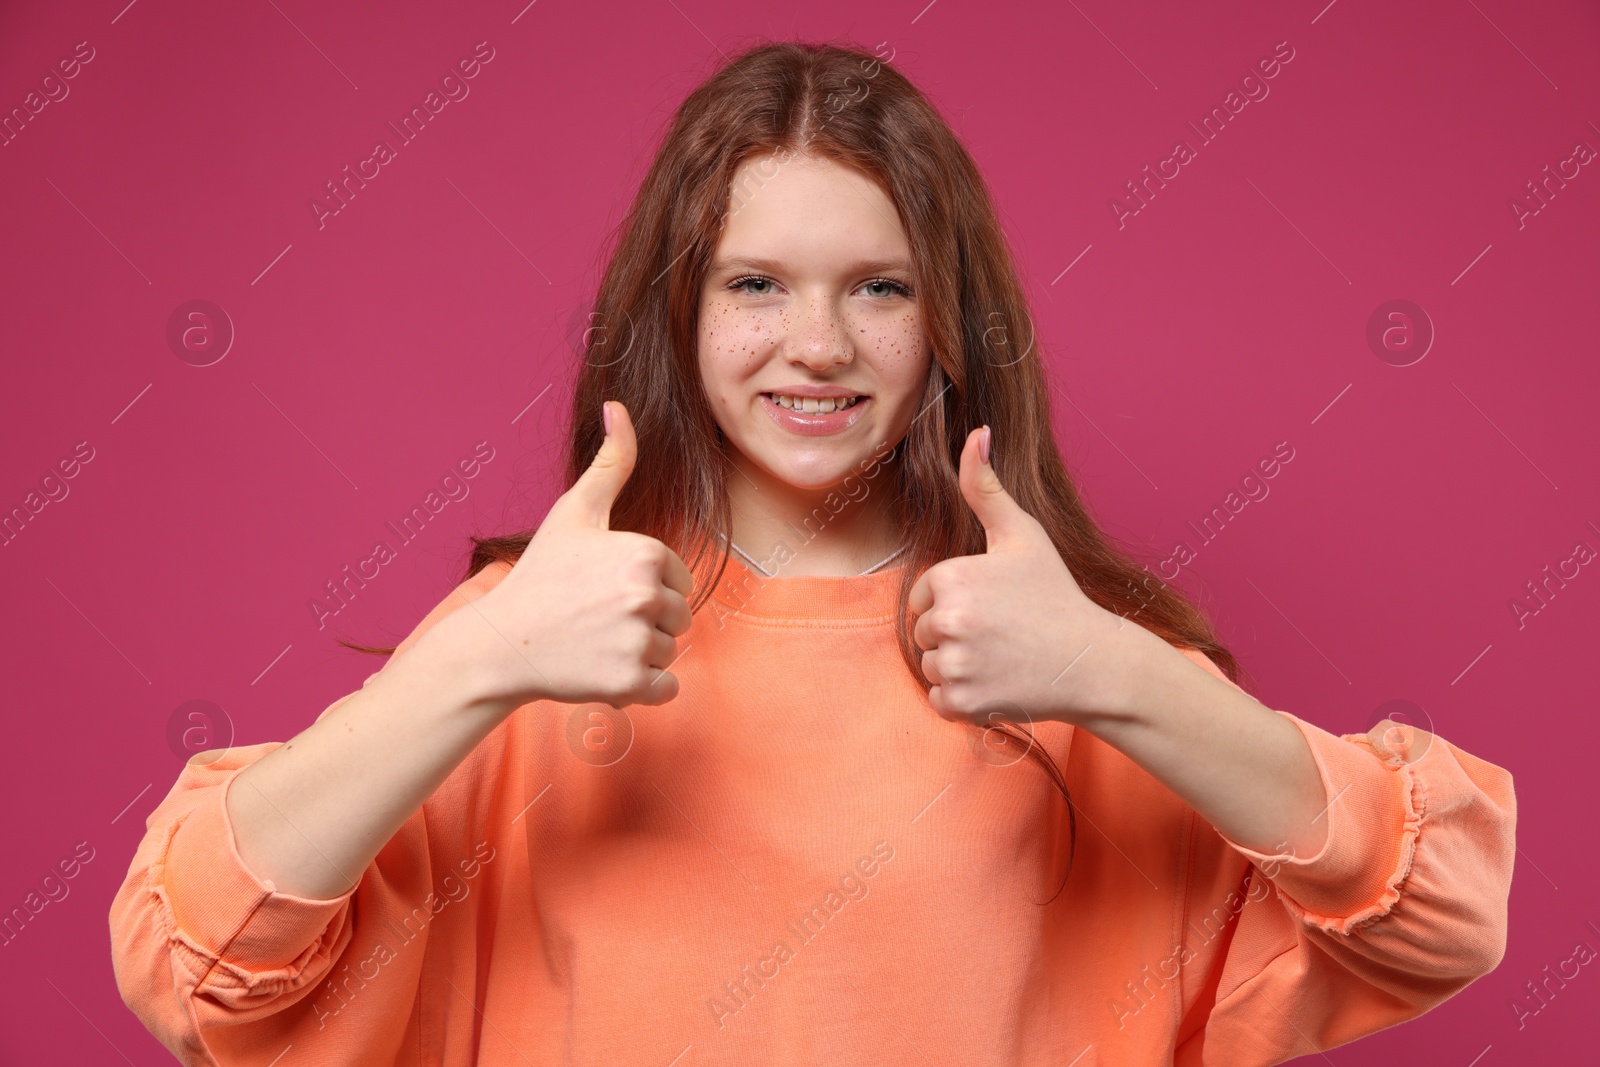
(811, 284)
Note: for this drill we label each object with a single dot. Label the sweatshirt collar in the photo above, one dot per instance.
(806, 598)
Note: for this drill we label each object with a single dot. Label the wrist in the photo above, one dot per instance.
(1126, 655)
(450, 656)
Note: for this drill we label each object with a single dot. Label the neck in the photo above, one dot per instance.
(792, 531)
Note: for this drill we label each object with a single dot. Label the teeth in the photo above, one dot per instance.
(811, 405)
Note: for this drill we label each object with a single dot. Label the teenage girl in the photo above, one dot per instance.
(816, 722)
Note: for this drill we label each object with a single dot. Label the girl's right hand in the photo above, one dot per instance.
(587, 613)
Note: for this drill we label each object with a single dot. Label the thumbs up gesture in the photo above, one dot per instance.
(587, 614)
(1010, 630)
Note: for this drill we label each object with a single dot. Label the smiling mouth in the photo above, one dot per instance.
(810, 405)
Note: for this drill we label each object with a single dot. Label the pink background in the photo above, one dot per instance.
(370, 355)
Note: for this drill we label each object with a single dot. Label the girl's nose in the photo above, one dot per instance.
(822, 336)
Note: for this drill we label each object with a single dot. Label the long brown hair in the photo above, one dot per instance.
(640, 347)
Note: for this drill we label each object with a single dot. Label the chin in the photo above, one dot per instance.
(810, 477)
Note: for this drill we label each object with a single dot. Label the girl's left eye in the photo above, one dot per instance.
(896, 288)
(899, 288)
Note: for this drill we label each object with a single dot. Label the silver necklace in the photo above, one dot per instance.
(769, 574)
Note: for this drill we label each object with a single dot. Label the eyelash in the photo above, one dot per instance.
(900, 287)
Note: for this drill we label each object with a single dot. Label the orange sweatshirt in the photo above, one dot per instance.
(797, 861)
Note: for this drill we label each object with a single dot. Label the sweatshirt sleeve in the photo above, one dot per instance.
(1402, 907)
(214, 960)
(219, 965)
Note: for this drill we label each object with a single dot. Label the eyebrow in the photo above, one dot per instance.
(773, 266)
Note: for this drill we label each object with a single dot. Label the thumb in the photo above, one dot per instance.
(1005, 524)
(589, 501)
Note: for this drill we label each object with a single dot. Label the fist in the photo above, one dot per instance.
(587, 614)
(1008, 635)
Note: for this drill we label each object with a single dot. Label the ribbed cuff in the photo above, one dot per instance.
(220, 905)
(1373, 822)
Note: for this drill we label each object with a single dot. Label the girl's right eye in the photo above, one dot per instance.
(740, 283)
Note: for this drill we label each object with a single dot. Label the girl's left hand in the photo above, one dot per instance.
(1008, 635)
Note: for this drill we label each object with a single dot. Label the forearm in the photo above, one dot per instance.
(311, 815)
(1243, 767)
